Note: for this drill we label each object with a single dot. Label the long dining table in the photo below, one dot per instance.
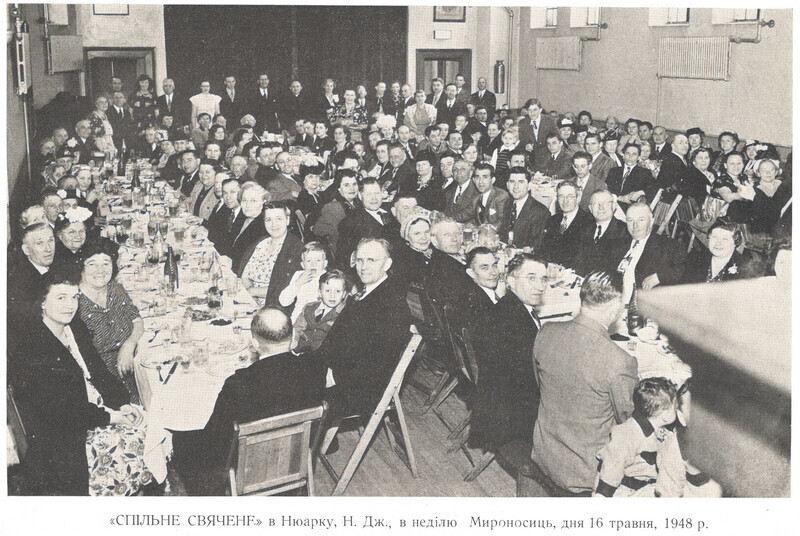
(188, 349)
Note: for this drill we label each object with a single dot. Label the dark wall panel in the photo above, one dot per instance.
(353, 45)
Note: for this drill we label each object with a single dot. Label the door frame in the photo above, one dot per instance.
(464, 55)
(90, 53)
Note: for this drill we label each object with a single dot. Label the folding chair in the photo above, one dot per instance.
(433, 335)
(664, 213)
(465, 351)
(379, 415)
(14, 422)
(656, 199)
(273, 455)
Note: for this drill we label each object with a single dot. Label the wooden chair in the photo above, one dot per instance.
(664, 213)
(273, 455)
(656, 199)
(389, 400)
(433, 334)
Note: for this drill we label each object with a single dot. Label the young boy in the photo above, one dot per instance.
(313, 325)
(643, 458)
(304, 285)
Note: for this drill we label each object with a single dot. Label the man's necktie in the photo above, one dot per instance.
(319, 315)
(553, 157)
(513, 215)
(564, 224)
(384, 217)
(534, 126)
(231, 219)
(458, 194)
(625, 177)
(481, 210)
(597, 233)
(626, 262)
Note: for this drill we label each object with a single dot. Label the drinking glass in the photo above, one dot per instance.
(180, 233)
(553, 273)
(127, 222)
(163, 226)
(138, 239)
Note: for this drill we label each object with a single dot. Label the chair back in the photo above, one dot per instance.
(656, 199)
(424, 313)
(15, 426)
(273, 454)
(460, 350)
(662, 218)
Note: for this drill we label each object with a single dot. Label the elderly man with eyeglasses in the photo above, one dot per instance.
(561, 237)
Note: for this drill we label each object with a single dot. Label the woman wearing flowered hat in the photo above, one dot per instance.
(70, 230)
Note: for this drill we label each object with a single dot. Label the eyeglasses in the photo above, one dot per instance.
(567, 196)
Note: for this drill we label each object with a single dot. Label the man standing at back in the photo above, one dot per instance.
(586, 384)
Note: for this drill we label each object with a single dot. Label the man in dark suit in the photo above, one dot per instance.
(406, 100)
(82, 142)
(484, 97)
(461, 196)
(462, 91)
(365, 344)
(435, 97)
(601, 163)
(660, 141)
(121, 119)
(30, 270)
(586, 383)
(223, 218)
(674, 167)
(266, 172)
(449, 107)
(449, 280)
(407, 142)
(381, 102)
(480, 297)
(630, 181)
(584, 178)
(492, 203)
(295, 105)
(561, 238)
(149, 147)
(279, 382)
(368, 221)
(263, 105)
(478, 124)
(651, 259)
(507, 400)
(527, 217)
(190, 163)
(231, 104)
(553, 160)
(534, 130)
(173, 102)
(605, 240)
(400, 172)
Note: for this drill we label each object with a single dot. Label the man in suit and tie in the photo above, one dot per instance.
(381, 102)
(284, 186)
(400, 171)
(461, 196)
(482, 267)
(149, 147)
(586, 383)
(406, 100)
(231, 106)
(478, 125)
(462, 91)
(507, 399)
(121, 119)
(660, 141)
(651, 259)
(536, 127)
(82, 142)
(603, 241)
(630, 182)
(561, 240)
(367, 221)
(492, 203)
(408, 143)
(365, 344)
(584, 178)
(264, 106)
(553, 160)
(278, 382)
(601, 163)
(449, 281)
(484, 97)
(437, 94)
(449, 107)
(674, 166)
(173, 102)
(527, 217)
(190, 162)
(202, 198)
(224, 217)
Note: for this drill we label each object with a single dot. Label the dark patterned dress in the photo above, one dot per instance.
(110, 327)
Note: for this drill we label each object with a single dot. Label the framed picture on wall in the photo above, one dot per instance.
(110, 9)
(449, 14)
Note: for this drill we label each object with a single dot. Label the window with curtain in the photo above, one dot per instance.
(732, 15)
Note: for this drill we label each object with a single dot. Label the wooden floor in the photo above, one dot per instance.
(382, 473)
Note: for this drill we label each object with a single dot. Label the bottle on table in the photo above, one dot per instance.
(171, 270)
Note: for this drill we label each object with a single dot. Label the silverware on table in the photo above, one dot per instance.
(171, 372)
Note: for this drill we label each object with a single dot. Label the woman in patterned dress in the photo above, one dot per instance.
(107, 310)
(143, 103)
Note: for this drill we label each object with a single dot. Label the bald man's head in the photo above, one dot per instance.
(271, 328)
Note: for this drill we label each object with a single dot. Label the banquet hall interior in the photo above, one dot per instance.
(398, 250)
